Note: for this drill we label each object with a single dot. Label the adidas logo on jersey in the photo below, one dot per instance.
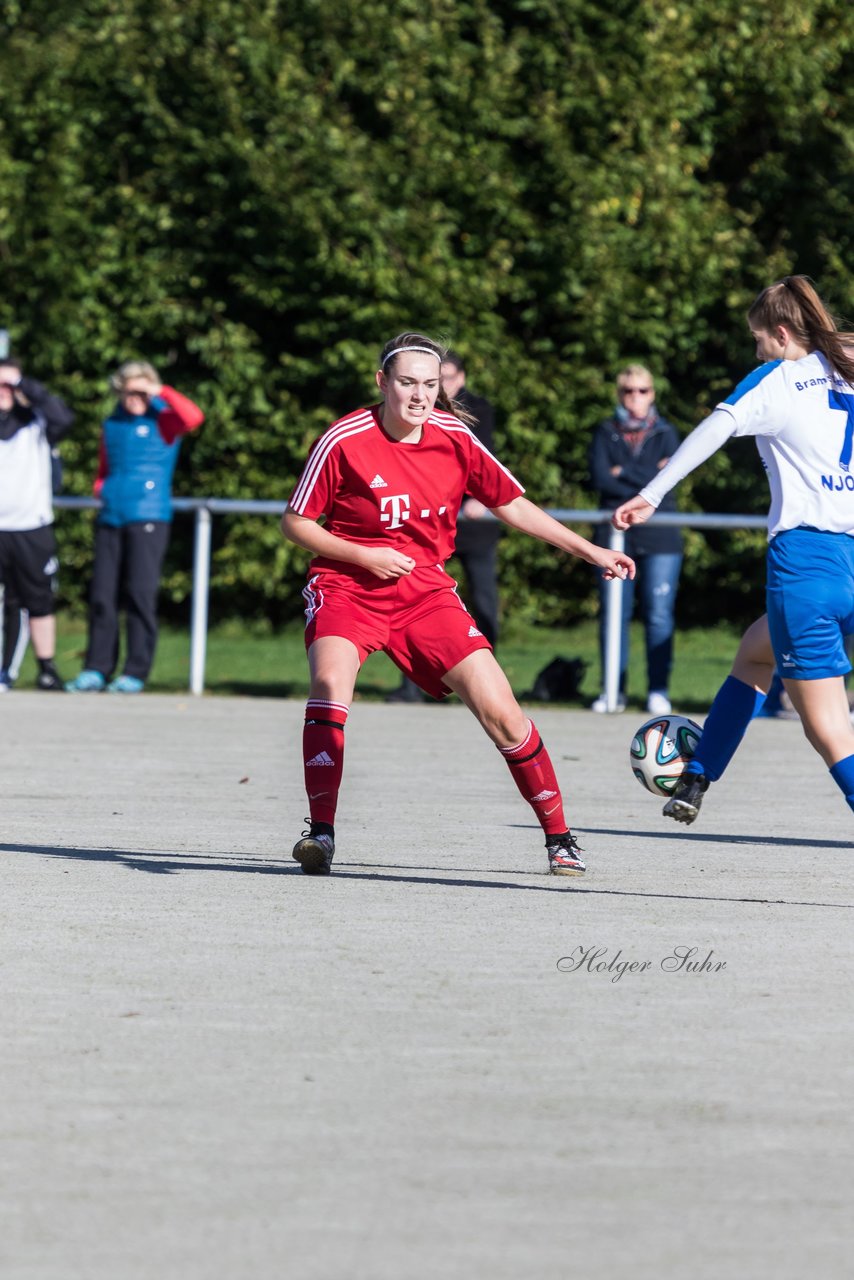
(322, 758)
(544, 795)
(378, 482)
(473, 631)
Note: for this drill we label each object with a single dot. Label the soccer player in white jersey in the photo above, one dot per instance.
(389, 481)
(799, 404)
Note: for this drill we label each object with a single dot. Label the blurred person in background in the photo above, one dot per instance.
(32, 421)
(14, 620)
(628, 449)
(140, 441)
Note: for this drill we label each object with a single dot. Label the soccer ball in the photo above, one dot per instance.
(660, 750)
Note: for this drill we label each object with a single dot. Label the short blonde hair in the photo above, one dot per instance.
(634, 371)
(132, 369)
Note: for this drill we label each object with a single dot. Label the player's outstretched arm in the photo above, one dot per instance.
(529, 518)
(383, 562)
(703, 441)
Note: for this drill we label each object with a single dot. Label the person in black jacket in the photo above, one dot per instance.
(31, 422)
(627, 450)
(476, 544)
(16, 621)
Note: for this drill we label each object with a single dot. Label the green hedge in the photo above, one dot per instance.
(256, 195)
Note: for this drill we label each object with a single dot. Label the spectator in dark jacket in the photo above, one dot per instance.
(139, 448)
(476, 544)
(627, 450)
(31, 422)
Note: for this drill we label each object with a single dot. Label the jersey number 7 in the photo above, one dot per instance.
(837, 400)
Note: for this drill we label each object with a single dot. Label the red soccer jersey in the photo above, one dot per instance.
(378, 492)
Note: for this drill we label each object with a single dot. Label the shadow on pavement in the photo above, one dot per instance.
(167, 864)
(785, 842)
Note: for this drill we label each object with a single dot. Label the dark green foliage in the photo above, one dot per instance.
(255, 195)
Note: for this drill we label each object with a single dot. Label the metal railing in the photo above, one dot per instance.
(206, 508)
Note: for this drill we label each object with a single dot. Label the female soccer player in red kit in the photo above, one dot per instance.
(389, 481)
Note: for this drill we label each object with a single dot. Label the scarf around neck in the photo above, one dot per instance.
(635, 430)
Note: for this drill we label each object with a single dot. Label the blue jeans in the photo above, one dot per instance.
(655, 588)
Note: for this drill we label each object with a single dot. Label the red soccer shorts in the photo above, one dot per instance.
(419, 620)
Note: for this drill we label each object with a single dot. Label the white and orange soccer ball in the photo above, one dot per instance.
(660, 750)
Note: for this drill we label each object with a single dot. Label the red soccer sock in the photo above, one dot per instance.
(534, 775)
(323, 756)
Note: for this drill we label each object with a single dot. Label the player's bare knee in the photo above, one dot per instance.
(326, 688)
(505, 727)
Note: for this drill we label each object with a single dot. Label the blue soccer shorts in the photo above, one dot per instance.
(810, 602)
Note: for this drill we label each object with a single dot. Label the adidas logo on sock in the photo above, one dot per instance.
(321, 758)
(544, 795)
(378, 482)
(473, 631)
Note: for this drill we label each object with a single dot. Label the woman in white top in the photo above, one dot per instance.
(799, 404)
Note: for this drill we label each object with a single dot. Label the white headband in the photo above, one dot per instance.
(427, 351)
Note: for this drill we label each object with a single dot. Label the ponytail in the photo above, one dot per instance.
(794, 303)
(454, 407)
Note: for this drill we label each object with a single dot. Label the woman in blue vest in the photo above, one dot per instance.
(139, 448)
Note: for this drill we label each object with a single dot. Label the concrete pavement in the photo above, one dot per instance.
(213, 1066)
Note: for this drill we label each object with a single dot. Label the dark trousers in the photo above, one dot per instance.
(126, 573)
(481, 594)
(16, 633)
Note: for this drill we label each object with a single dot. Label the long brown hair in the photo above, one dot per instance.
(420, 342)
(794, 303)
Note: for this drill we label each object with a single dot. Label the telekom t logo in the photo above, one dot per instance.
(399, 503)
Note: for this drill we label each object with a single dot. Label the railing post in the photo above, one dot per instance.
(613, 627)
(201, 590)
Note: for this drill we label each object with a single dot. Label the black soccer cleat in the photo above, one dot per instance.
(314, 854)
(684, 804)
(49, 678)
(564, 855)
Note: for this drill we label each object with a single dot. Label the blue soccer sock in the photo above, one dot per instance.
(842, 774)
(735, 705)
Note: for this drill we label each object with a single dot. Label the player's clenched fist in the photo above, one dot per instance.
(386, 562)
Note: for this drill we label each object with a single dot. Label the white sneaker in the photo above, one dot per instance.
(658, 704)
(600, 706)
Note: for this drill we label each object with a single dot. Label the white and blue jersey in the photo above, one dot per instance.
(802, 415)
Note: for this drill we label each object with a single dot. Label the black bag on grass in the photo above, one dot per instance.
(560, 681)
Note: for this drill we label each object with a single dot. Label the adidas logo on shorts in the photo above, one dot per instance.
(321, 758)
(378, 482)
(473, 631)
